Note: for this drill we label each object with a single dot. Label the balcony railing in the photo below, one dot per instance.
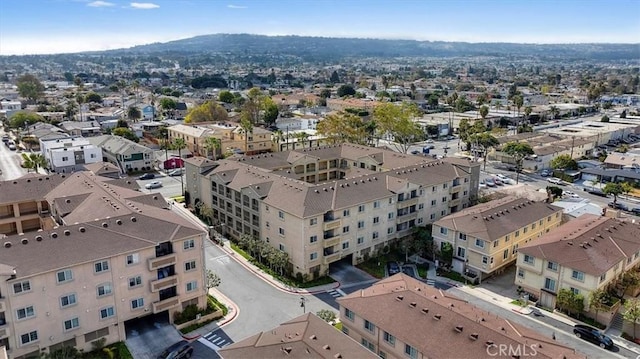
(331, 242)
(332, 257)
(454, 189)
(408, 202)
(159, 284)
(163, 305)
(159, 262)
(4, 332)
(332, 224)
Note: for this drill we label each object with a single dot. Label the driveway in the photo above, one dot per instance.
(347, 274)
(148, 337)
(502, 284)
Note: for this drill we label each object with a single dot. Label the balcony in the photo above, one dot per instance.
(454, 189)
(332, 257)
(331, 242)
(332, 224)
(2, 305)
(160, 262)
(408, 202)
(163, 305)
(4, 332)
(159, 284)
(454, 202)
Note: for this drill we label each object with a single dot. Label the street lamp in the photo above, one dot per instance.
(303, 302)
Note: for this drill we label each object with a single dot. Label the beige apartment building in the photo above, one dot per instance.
(111, 255)
(401, 317)
(486, 238)
(231, 136)
(586, 254)
(330, 203)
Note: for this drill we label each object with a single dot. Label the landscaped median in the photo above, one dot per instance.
(192, 317)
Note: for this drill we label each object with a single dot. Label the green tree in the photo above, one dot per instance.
(564, 162)
(168, 105)
(485, 140)
(270, 111)
(276, 137)
(632, 312)
(554, 191)
(179, 144)
(615, 189)
(327, 315)
(209, 111)
(33, 161)
(517, 150)
(335, 78)
(246, 129)
(301, 138)
(346, 90)
(598, 300)
(30, 87)
(21, 119)
(397, 123)
(126, 133)
(343, 127)
(446, 252)
(555, 111)
(253, 105)
(604, 118)
(325, 93)
(570, 302)
(212, 144)
(93, 97)
(484, 111)
(134, 113)
(226, 96)
(518, 101)
(212, 279)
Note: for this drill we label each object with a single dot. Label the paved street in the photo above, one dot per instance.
(10, 163)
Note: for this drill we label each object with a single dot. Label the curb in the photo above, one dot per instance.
(219, 325)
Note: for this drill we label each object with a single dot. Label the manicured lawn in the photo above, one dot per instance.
(375, 266)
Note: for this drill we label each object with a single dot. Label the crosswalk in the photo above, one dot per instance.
(336, 293)
(431, 282)
(218, 339)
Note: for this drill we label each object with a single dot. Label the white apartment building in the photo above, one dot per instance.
(66, 155)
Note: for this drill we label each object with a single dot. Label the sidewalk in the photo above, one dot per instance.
(231, 316)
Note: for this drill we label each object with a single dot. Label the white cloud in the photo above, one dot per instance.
(144, 5)
(100, 4)
(231, 6)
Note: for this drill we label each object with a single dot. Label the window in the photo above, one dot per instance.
(390, 339)
(135, 281)
(433, 202)
(603, 277)
(410, 351)
(133, 258)
(313, 256)
(376, 204)
(280, 214)
(517, 234)
(421, 206)
(64, 276)
(462, 236)
(479, 243)
(360, 240)
(281, 231)
(390, 215)
(137, 303)
(188, 244)
(375, 235)
(529, 259)
(360, 224)
(345, 330)
(281, 247)
(345, 245)
(64, 159)
(533, 226)
(191, 286)
(485, 260)
(107, 312)
(345, 229)
(514, 249)
(444, 186)
(361, 208)
(313, 239)
(267, 224)
(525, 229)
(520, 273)
(67, 300)
(461, 252)
(506, 238)
(313, 221)
(550, 284)
(382, 354)
(575, 291)
(346, 213)
(444, 231)
(433, 189)
(505, 254)
(26, 312)
(577, 275)
(376, 220)
(432, 216)
(29, 337)
(552, 266)
(369, 326)
(444, 199)
(349, 314)
(389, 230)
(367, 344)
(102, 266)
(71, 324)
(104, 289)
(190, 265)
(21, 287)
(495, 243)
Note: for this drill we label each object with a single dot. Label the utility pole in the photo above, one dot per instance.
(573, 141)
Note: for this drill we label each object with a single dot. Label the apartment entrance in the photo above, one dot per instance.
(344, 272)
(147, 336)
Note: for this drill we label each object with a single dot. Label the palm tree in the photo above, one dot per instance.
(33, 161)
(180, 144)
(246, 128)
(301, 137)
(276, 137)
(212, 144)
(555, 111)
(486, 141)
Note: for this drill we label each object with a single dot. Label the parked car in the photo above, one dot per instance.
(635, 211)
(570, 194)
(13, 147)
(179, 350)
(393, 268)
(147, 176)
(593, 335)
(428, 141)
(5, 138)
(545, 173)
(176, 172)
(415, 152)
(152, 185)
(555, 180)
(618, 205)
(498, 182)
(596, 192)
(490, 182)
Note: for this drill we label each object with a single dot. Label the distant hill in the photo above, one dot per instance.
(319, 48)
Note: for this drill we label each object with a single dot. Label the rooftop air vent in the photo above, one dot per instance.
(134, 219)
(119, 222)
(39, 238)
(474, 336)
(24, 241)
(437, 317)
(67, 232)
(412, 304)
(399, 298)
(105, 224)
(82, 229)
(7, 244)
(459, 328)
(54, 235)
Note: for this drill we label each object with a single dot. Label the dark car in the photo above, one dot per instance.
(179, 350)
(393, 268)
(147, 176)
(592, 335)
(636, 211)
(617, 205)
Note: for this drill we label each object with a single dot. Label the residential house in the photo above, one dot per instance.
(68, 155)
(302, 337)
(619, 160)
(81, 129)
(485, 238)
(401, 317)
(194, 137)
(231, 136)
(588, 253)
(148, 112)
(126, 154)
(106, 254)
(324, 204)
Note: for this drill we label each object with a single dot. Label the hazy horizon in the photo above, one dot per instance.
(71, 26)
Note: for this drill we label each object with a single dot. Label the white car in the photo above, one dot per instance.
(570, 194)
(154, 184)
(554, 180)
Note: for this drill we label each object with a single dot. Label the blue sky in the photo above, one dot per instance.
(57, 26)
